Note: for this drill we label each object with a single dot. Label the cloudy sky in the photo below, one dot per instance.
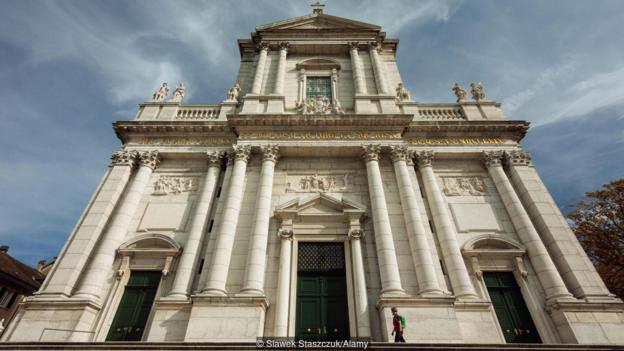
(70, 68)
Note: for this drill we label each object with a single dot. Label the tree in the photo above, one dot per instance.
(598, 222)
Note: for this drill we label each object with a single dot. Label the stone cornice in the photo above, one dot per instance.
(124, 129)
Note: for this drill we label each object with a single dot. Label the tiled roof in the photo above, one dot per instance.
(15, 269)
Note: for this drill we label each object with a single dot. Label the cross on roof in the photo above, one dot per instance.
(317, 7)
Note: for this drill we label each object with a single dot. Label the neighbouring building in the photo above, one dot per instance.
(17, 280)
(309, 202)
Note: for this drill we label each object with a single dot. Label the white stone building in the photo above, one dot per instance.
(310, 201)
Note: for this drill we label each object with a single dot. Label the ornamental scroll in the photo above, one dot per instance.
(464, 186)
(174, 185)
(305, 183)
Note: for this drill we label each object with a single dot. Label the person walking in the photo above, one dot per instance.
(398, 325)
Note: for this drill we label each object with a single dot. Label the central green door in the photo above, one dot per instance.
(322, 312)
(511, 311)
(135, 306)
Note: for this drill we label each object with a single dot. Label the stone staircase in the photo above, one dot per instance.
(231, 346)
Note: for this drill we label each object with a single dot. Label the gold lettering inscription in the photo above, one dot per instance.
(188, 141)
(456, 141)
(321, 135)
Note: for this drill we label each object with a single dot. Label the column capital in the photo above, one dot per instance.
(354, 45)
(262, 46)
(241, 152)
(270, 152)
(374, 45)
(149, 159)
(399, 153)
(283, 46)
(424, 158)
(371, 152)
(517, 158)
(356, 234)
(124, 158)
(285, 234)
(215, 158)
(492, 158)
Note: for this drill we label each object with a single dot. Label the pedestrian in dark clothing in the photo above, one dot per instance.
(398, 325)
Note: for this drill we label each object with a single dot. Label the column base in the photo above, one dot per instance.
(251, 292)
(175, 297)
(231, 318)
(212, 292)
(581, 322)
(170, 320)
(62, 320)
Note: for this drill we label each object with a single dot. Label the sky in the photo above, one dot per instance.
(71, 68)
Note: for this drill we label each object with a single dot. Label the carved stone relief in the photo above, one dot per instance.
(306, 183)
(174, 185)
(464, 186)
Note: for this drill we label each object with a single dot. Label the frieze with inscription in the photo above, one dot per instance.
(464, 186)
(456, 141)
(174, 185)
(185, 141)
(321, 135)
(306, 183)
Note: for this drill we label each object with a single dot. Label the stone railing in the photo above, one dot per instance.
(440, 112)
(198, 112)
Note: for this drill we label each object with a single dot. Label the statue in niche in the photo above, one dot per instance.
(161, 93)
(402, 94)
(459, 92)
(477, 91)
(233, 93)
(178, 93)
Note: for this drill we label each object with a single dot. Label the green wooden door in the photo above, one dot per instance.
(511, 310)
(321, 312)
(135, 306)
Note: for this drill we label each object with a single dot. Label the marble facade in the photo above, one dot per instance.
(425, 198)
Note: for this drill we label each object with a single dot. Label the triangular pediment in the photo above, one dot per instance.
(319, 205)
(318, 21)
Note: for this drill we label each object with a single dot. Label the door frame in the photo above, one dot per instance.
(292, 310)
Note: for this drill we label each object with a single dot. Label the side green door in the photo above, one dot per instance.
(135, 306)
(321, 312)
(511, 310)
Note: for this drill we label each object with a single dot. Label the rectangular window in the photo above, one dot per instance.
(318, 86)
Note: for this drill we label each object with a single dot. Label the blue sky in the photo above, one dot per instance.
(70, 68)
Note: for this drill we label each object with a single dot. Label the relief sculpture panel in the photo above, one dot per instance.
(174, 185)
(464, 186)
(306, 183)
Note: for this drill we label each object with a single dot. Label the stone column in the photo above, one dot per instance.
(282, 302)
(281, 69)
(260, 65)
(222, 251)
(421, 253)
(576, 269)
(256, 259)
(356, 69)
(74, 257)
(386, 254)
(447, 236)
(359, 278)
(190, 254)
(302, 85)
(102, 262)
(225, 186)
(378, 69)
(545, 268)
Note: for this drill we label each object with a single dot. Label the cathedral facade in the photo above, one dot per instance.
(313, 199)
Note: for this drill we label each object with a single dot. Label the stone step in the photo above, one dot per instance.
(231, 346)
